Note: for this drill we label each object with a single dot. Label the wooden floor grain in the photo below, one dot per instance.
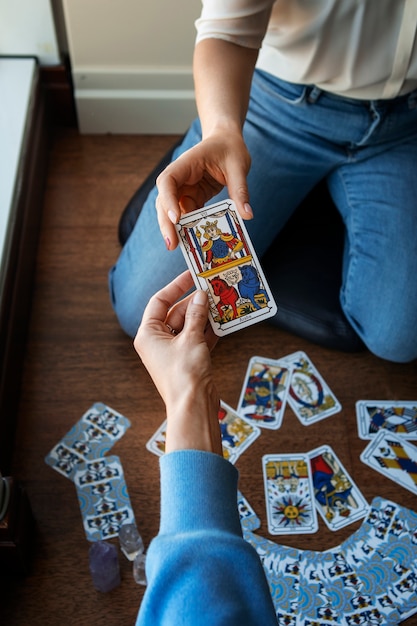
(77, 355)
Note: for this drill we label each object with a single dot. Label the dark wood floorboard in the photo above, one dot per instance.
(76, 355)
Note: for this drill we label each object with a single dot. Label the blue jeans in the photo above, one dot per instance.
(298, 135)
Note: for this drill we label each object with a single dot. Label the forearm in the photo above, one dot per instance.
(222, 75)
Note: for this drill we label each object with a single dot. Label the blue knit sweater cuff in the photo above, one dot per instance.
(198, 492)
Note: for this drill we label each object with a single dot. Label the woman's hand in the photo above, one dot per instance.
(199, 174)
(174, 342)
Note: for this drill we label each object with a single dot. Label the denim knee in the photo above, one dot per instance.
(395, 341)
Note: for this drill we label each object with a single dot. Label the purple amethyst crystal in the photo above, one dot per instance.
(104, 566)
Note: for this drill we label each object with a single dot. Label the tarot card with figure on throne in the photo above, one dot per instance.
(223, 263)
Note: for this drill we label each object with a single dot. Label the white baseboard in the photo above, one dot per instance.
(141, 101)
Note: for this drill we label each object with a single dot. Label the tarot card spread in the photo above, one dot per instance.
(223, 262)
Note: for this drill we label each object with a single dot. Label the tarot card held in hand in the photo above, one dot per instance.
(223, 262)
(393, 416)
(237, 434)
(264, 392)
(337, 498)
(289, 494)
(394, 458)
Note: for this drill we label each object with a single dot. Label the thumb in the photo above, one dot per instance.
(238, 190)
(197, 312)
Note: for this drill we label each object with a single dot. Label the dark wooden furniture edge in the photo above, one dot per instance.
(19, 264)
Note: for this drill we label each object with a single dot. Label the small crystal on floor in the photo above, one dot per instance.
(104, 566)
(131, 542)
(139, 573)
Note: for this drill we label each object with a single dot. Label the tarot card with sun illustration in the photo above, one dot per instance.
(289, 494)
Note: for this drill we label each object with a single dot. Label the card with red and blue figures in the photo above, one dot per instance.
(337, 498)
(223, 262)
(264, 392)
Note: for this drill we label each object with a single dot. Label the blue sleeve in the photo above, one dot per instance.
(199, 568)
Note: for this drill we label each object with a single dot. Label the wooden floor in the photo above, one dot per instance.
(77, 355)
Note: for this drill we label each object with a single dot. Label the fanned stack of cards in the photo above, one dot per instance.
(101, 488)
(369, 579)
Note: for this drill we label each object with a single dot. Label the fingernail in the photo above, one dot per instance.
(199, 297)
(172, 217)
(168, 242)
(248, 209)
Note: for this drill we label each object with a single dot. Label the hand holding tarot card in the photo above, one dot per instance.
(223, 262)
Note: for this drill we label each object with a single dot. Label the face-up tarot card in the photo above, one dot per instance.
(91, 437)
(309, 396)
(264, 392)
(103, 498)
(248, 518)
(237, 434)
(394, 458)
(337, 498)
(223, 262)
(398, 417)
(156, 443)
(289, 494)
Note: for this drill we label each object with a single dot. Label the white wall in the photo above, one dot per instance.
(27, 28)
(132, 64)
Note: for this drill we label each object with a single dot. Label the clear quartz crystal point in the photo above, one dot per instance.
(104, 566)
(131, 542)
(139, 573)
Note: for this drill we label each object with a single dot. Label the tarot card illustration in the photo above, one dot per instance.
(223, 262)
(237, 433)
(289, 494)
(264, 392)
(393, 416)
(309, 396)
(394, 458)
(337, 498)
